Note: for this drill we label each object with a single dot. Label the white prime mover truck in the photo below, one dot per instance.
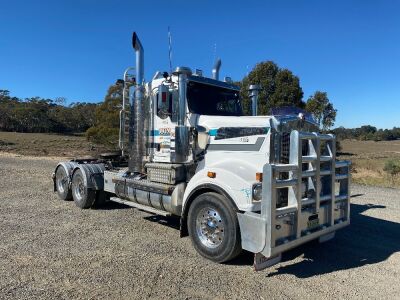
(264, 184)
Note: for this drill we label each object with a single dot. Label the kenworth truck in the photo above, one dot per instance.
(264, 184)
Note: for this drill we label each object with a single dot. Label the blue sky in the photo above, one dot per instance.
(76, 49)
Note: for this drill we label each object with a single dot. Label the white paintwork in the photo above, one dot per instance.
(212, 122)
(236, 170)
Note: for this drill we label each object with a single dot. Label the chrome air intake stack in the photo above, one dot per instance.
(136, 128)
(254, 91)
(215, 70)
(181, 130)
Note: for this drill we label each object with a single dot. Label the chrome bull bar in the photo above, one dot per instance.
(324, 209)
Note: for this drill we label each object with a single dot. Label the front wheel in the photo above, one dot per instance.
(214, 228)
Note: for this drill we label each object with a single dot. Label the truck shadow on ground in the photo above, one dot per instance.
(110, 205)
(366, 241)
(172, 221)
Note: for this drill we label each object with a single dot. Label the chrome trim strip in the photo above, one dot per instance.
(238, 147)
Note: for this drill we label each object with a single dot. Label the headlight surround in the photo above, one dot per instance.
(257, 191)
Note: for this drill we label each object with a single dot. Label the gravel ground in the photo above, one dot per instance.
(50, 249)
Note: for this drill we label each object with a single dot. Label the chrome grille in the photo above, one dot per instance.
(285, 148)
(283, 158)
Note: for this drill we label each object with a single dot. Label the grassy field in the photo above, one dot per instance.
(42, 144)
(368, 159)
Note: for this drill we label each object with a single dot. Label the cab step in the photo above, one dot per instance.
(141, 207)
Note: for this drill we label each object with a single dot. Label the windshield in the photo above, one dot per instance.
(206, 99)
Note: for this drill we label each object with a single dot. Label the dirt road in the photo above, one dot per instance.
(50, 249)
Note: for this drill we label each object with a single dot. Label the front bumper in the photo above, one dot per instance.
(276, 229)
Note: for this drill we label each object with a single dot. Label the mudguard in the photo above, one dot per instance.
(93, 175)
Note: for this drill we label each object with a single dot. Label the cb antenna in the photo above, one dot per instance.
(215, 52)
(170, 49)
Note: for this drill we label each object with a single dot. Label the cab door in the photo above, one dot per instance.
(165, 120)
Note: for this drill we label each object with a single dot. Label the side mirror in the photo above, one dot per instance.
(202, 137)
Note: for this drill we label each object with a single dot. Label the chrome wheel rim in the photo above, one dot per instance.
(62, 181)
(210, 227)
(79, 188)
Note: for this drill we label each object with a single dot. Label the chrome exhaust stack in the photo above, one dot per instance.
(181, 130)
(254, 90)
(136, 128)
(215, 70)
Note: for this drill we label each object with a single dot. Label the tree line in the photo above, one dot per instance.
(44, 115)
(279, 88)
(367, 133)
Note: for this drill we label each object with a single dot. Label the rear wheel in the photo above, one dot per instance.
(83, 196)
(214, 228)
(62, 184)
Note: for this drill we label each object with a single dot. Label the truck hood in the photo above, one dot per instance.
(215, 122)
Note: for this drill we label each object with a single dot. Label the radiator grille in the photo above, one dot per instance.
(285, 148)
(283, 158)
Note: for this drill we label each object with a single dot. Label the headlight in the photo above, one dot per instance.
(257, 191)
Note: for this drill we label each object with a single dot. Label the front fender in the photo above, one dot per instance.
(233, 184)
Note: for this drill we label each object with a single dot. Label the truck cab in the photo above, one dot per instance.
(261, 183)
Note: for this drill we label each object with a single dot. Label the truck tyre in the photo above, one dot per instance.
(62, 184)
(214, 228)
(83, 196)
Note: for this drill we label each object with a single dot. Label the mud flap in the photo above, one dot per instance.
(53, 176)
(261, 262)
